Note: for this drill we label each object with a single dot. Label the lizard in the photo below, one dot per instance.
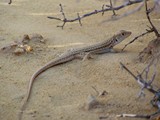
(85, 52)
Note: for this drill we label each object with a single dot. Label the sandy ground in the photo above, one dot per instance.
(60, 92)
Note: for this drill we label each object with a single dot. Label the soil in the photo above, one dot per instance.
(61, 92)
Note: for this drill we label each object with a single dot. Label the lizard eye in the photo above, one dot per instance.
(116, 40)
(123, 34)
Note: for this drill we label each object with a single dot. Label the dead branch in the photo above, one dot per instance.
(153, 47)
(134, 116)
(125, 14)
(152, 28)
(123, 66)
(141, 35)
(79, 18)
(148, 11)
(111, 6)
(151, 116)
(144, 84)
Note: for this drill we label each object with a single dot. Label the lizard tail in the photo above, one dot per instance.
(41, 70)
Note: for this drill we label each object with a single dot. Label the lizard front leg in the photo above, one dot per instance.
(99, 51)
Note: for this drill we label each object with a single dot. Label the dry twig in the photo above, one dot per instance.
(144, 84)
(141, 35)
(108, 8)
(153, 46)
(151, 29)
(148, 11)
(126, 13)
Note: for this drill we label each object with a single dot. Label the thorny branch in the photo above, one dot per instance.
(139, 78)
(151, 29)
(144, 84)
(141, 35)
(148, 17)
(108, 8)
(153, 46)
(126, 13)
(111, 6)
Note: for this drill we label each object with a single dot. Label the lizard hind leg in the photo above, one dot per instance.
(83, 56)
(87, 56)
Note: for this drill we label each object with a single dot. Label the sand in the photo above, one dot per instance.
(61, 92)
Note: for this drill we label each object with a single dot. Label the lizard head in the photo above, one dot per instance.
(119, 37)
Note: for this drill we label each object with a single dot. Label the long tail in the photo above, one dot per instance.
(41, 70)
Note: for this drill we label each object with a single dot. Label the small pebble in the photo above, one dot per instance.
(91, 102)
(36, 37)
(25, 39)
(18, 51)
(32, 112)
(28, 48)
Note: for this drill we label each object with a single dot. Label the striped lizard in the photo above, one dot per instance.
(85, 52)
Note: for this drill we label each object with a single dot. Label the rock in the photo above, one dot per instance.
(25, 39)
(28, 48)
(36, 37)
(18, 51)
(91, 102)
